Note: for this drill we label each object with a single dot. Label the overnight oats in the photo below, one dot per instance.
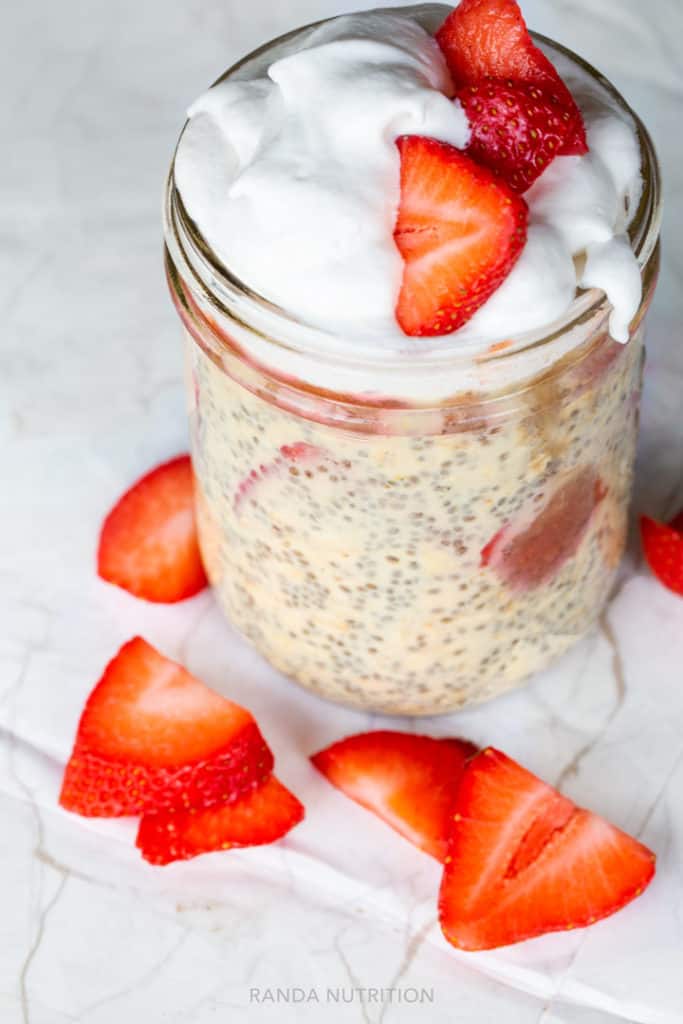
(412, 264)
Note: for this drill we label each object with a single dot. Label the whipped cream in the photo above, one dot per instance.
(290, 170)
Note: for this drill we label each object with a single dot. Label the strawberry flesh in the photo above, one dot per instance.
(484, 39)
(259, 817)
(460, 231)
(409, 781)
(152, 736)
(289, 459)
(148, 544)
(663, 547)
(527, 553)
(523, 860)
(517, 128)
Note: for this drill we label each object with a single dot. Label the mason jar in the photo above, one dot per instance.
(429, 543)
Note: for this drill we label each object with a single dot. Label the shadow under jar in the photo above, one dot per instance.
(401, 553)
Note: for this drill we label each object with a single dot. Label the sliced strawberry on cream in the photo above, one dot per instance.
(531, 550)
(484, 39)
(151, 736)
(262, 816)
(518, 128)
(409, 781)
(460, 231)
(149, 545)
(663, 547)
(523, 860)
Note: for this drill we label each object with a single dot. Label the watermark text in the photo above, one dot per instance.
(298, 994)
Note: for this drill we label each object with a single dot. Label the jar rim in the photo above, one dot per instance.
(216, 288)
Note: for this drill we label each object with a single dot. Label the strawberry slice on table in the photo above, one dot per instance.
(259, 817)
(148, 545)
(460, 231)
(151, 736)
(531, 550)
(483, 39)
(409, 781)
(517, 128)
(523, 860)
(663, 547)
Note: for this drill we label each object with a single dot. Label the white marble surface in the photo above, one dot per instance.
(90, 366)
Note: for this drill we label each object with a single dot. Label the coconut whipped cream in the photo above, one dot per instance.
(291, 173)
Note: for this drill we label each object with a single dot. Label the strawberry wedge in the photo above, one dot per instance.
(148, 544)
(291, 458)
(460, 231)
(484, 39)
(534, 547)
(409, 781)
(152, 737)
(517, 129)
(523, 860)
(259, 817)
(663, 547)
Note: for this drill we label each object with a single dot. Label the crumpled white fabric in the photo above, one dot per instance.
(62, 624)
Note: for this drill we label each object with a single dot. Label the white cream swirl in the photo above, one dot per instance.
(292, 176)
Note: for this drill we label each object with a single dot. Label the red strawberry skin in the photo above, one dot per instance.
(148, 544)
(517, 129)
(460, 231)
(409, 781)
(484, 39)
(523, 860)
(152, 736)
(677, 523)
(663, 547)
(259, 817)
(488, 39)
(528, 554)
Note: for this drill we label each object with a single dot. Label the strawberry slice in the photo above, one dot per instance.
(290, 458)
(459, 230)
(257, 818)
(148, 545)
(663, 547)
(151, 736)
(533, 549)
(483, 39)
(517, 128)
(523, 860)
(409, 781)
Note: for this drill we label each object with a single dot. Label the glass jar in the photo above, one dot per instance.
(408, 551)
